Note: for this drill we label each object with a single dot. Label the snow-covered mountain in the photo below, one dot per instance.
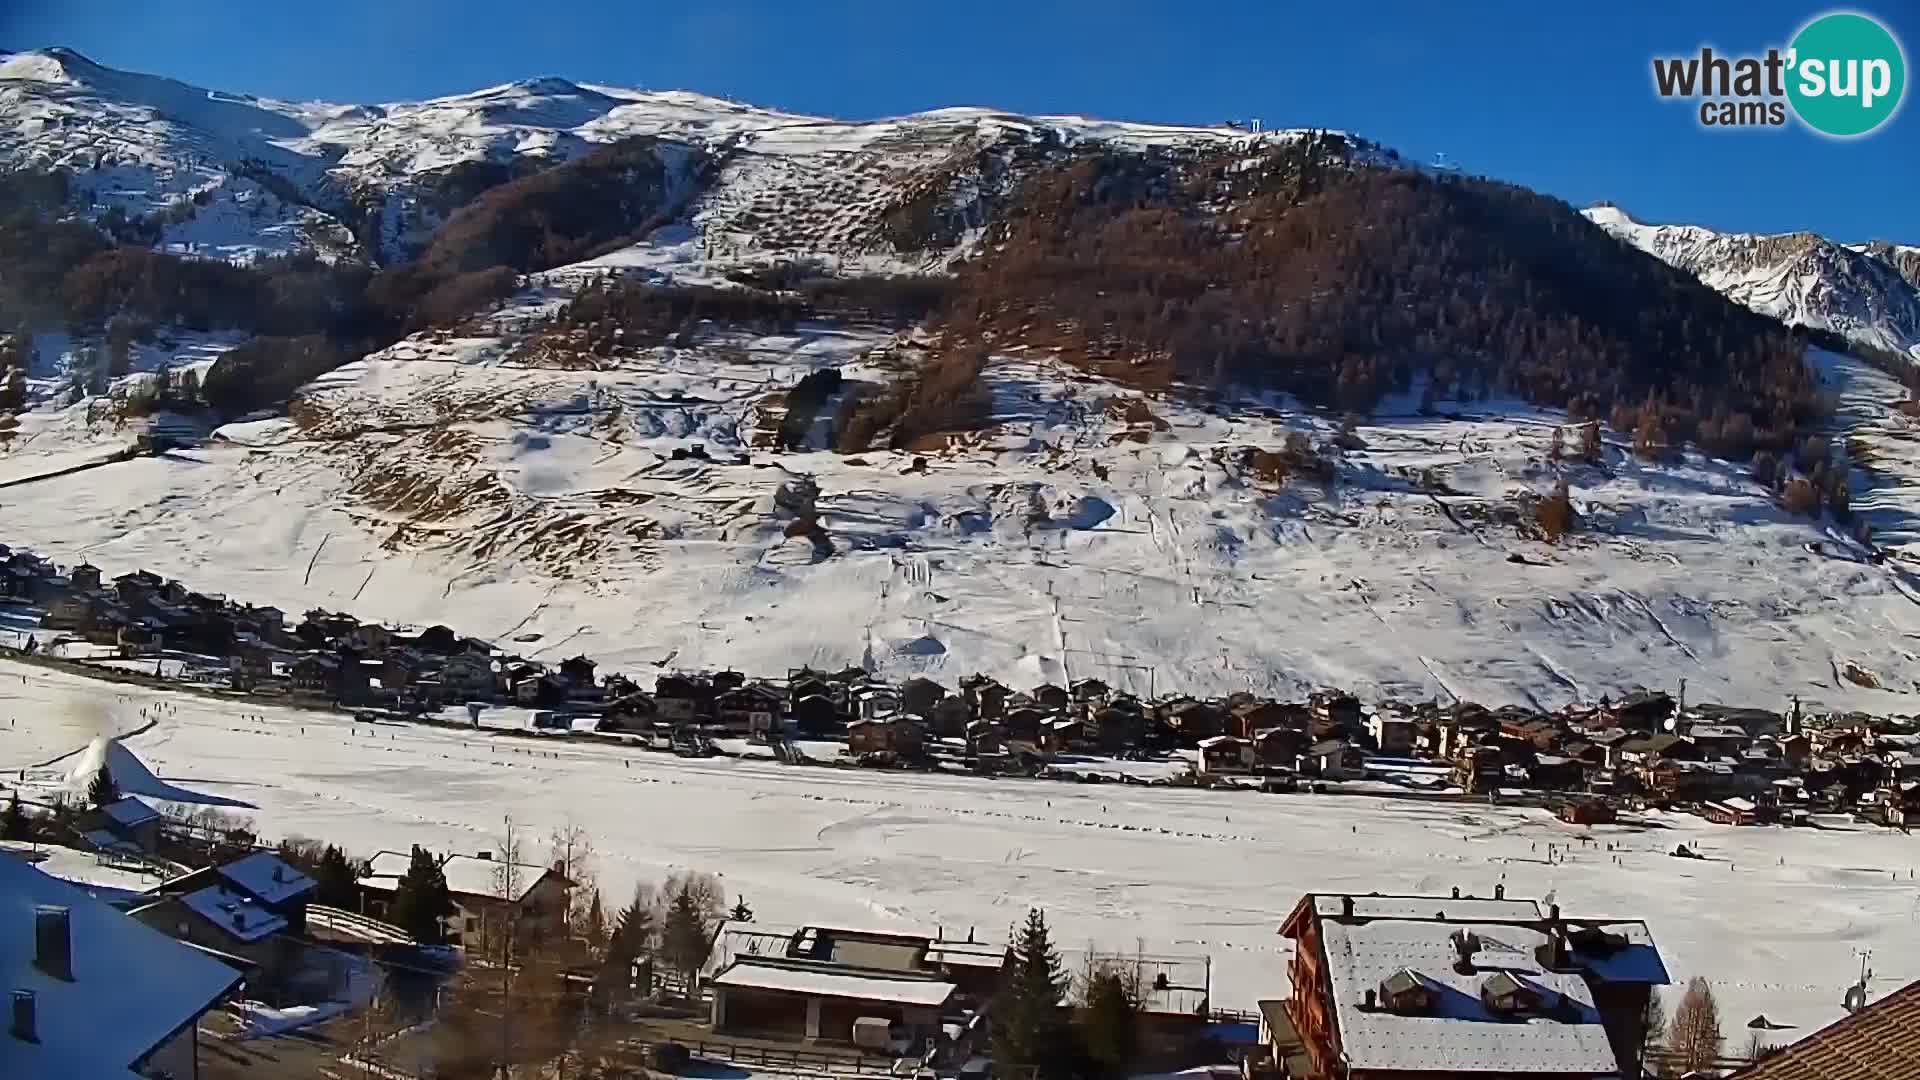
(1867, 293)
(245, 175)
(551, 499)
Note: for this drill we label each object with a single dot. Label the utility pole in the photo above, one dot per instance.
(506, 872)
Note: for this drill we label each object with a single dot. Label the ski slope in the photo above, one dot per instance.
(1771, 916)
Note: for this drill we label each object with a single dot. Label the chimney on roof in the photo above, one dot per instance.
(1465, 943)
(53, 941)
(1456, 892)
(26, 1026)
(487, 855)
(1372, 1001)
(279, 873)
(1500, 891)
(1553, 954)
(1346, 907)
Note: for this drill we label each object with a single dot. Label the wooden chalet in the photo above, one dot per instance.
(899, 736)
(817, 714)
(85, 577)
(920, 695)
(755, 709)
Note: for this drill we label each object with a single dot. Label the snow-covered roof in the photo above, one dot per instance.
(967, 954)
(129, 811)
(133, 987)
(1218, 740)
(267, 876)
(1716, 731)
(1635, 961)
(1425, 907)
(757, 974)
(466, 875)
(1457, 1034)
(106, 841)
(235, 913)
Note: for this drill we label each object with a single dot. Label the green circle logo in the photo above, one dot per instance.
(1847, 74)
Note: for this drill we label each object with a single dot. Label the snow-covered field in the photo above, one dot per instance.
(1773, 916)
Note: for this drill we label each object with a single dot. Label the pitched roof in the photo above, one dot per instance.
(1456, 908)
(129, 812)
(1617, 952)
(1879, 1042)
(466, 875)
(967, 954)
(1457, 1034)
(267, 876)
(765, 973)
(133, 987)
(234, 913)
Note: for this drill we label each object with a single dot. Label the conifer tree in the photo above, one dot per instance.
(337, 879)
(422, 899)
(683, 934)
(102, 790)
(630, 940)
(1028, 1028)
(1110, 1026)
(13, 821)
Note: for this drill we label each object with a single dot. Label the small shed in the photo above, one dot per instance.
(821, 1002)
(1586, 812)
(1734, 811)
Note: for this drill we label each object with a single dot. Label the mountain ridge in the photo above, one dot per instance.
(1866, 292)
(170, 140)
(358, 180)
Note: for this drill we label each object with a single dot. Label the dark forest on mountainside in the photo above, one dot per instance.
(1301, 270)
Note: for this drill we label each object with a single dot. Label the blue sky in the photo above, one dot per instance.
(1555, 95)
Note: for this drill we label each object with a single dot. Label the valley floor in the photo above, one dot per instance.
(1773, 917)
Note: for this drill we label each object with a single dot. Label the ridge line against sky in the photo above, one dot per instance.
(1556, 97)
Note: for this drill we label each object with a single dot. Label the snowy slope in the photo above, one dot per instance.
(152, 146)
(1865, 292)
(148, 144)
(444, 481)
